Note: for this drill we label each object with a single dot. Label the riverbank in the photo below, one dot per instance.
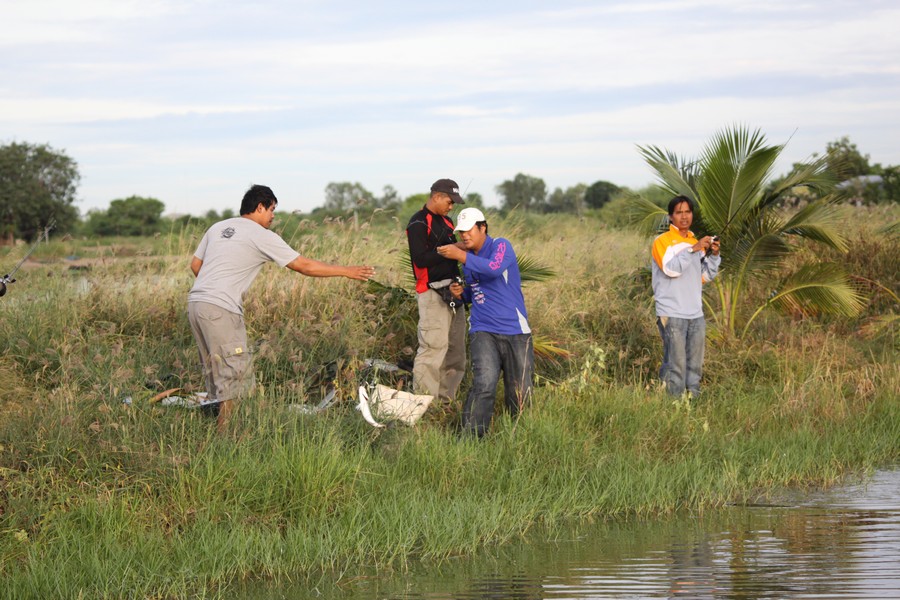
(105, 499)
(838, 542)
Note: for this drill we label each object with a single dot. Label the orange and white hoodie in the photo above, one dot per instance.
(679, 275)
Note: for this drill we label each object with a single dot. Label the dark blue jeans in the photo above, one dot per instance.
(492, 353)
(683, 343)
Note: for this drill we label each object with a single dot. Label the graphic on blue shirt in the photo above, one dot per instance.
(477, 293)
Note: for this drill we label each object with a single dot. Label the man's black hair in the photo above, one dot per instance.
(485, 226)
(678, 200)
(256, 195)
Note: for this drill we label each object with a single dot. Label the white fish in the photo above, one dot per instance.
(363, 407)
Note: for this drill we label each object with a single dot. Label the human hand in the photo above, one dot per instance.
(703, 245)
(360, 272)
(457, 290)
(714, 245)
(451, 251)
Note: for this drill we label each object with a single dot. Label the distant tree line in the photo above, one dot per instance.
(859, 180)
(38, 184)
(529, 193)
(129, 216)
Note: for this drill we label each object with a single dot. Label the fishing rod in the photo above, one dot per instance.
(8, 278)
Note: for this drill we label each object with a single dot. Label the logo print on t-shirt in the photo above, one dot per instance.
(228, 232)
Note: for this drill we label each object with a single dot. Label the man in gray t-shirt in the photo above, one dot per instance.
(226, 262)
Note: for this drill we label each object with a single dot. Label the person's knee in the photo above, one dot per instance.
(484, 381)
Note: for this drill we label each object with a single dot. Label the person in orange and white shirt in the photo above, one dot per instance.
(681, 265)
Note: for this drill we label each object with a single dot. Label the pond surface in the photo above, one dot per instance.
(838, 543)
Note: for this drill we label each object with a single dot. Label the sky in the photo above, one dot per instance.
(192, 101)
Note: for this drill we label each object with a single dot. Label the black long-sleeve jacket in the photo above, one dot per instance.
(425, 232)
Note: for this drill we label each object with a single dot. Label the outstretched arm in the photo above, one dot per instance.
(315, 268)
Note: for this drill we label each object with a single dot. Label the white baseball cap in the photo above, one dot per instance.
(467, 218)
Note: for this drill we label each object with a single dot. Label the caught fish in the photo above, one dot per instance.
(363, 407)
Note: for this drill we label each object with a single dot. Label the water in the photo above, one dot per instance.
(838, 543)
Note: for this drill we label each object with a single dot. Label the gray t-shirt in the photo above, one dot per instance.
(233, 251)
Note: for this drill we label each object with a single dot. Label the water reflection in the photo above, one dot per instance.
(843, 543)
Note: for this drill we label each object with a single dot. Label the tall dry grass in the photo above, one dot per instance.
(105, 499)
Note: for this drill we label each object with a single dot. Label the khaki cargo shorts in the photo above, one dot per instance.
(222, 341)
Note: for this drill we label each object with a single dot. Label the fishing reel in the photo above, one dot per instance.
(443, 289)
(455, 303)
(8, 278)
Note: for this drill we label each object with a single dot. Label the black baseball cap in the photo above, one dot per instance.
(449, 187)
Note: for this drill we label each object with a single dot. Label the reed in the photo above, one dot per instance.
(106, 499)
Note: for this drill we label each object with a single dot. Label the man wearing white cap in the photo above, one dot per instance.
(499, 334)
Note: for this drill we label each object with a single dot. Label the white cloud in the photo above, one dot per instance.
(60, 21)
(86, 10)
(471, 111)
(566, 92)
(82, 110)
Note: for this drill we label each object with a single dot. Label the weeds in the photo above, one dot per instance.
(100, 498)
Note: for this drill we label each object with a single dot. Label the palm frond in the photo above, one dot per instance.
(891, 230)
(728, 183)
(397, 294)
(546, 348)
(758, 247)
(675, 174)
(736, 166)
(644, 215)
(819, 221)
(814, 289)
(820, 288)
(405, 261)
(813, 174)
(881, 325)
(530, 270)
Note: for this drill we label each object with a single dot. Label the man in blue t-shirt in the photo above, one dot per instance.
(499, 334)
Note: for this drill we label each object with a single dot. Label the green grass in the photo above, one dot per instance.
(99, 499)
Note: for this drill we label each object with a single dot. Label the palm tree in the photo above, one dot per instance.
(731, 186)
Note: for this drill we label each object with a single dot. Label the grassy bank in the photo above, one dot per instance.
(105, 499)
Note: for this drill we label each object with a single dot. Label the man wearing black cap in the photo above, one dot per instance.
(441, 357)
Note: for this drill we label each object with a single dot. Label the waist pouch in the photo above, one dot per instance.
(442, 287)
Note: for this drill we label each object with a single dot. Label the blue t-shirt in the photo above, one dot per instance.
(494, 289)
